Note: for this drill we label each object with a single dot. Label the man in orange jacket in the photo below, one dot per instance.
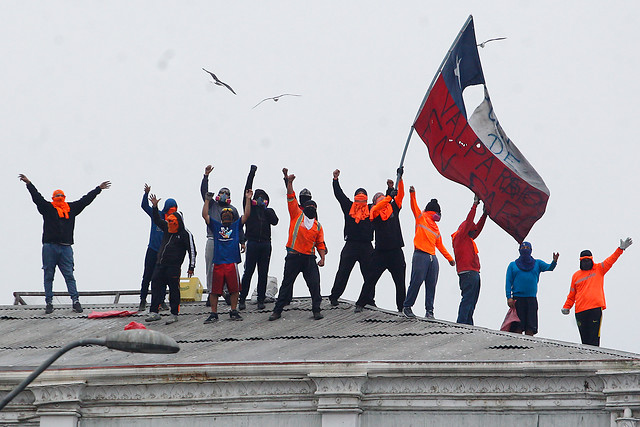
(305, 236)
(587, 292)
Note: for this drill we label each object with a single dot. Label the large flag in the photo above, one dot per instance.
(475, 151)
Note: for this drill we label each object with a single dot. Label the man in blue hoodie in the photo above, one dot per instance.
(155, 239)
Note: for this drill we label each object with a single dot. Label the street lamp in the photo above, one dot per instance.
(133, 340)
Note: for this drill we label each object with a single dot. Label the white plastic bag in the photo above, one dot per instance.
(270, 293)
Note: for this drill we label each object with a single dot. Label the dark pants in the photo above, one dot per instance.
(164, 276)
(150, 260)
(392, 260)
(424, 269)
(589, 322)
(258, 254)
(527, 309)
(55, 254)
(470, 290)
(295, 264)
(351, 253)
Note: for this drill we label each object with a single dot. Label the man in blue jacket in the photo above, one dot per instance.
(57, 237)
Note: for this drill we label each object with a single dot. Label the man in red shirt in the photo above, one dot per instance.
(305, 235)
(587, 292)
(465, 252)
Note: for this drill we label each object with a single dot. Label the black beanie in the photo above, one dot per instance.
(433, 206)
(360, 190)
(586, 252)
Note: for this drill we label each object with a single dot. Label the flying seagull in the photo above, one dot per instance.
(275, 98)
(219, 82)
(491, 40)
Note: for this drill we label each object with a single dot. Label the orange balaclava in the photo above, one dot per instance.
(173, 223)
(60, 204)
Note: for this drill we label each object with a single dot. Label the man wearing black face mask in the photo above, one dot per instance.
(587, 292)
(258, 236)
(222, 200)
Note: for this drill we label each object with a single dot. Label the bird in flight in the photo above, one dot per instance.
(275, 98)
(491, 40)
(219, 82)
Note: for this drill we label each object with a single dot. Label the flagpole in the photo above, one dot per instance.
(424, 100)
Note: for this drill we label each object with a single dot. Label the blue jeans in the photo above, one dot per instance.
(54, 254)
(424, 269)
(470, 290)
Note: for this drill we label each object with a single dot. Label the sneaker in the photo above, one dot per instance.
(152, 317)
(334, 302)
(142, 306)
(242, 305)
(260, 306)
(172, 319)
(48, 309)
(213, 317)
(429, 315)
(317, 315)
(163, 307)
(234, 315)
(275, 316)
(77, 307)
(408, 313)
(358, 309)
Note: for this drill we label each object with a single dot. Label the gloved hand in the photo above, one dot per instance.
(624, 244)
(565, 311)
(393, 193)
(400, 171)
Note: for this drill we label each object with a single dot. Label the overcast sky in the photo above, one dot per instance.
(96, 91)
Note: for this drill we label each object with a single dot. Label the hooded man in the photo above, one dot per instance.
(424, 264)
(177, 241)
(465, 252)
(305, 236)
(220, 201)
(258, 236)
(155, 239)
(388, 254)
(57, 237)
(521, 287)
(358, 234)
(587, 293)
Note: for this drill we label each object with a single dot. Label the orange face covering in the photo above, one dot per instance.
(385, 212)
(359, 209)
(172, 221)
(59, 203)
(169, 212)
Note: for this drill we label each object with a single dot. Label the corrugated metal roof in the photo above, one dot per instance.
(28, 337)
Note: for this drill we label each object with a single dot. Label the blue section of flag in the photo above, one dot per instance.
(462, 68)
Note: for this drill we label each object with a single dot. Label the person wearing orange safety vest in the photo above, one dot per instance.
(587, 293)
(305, 236)
(424, 265)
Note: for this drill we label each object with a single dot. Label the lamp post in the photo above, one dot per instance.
(133, 341)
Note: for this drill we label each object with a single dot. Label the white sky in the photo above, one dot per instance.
(96, 91)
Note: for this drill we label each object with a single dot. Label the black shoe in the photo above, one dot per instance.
(48, 309)
(142, 306)
(275, 315)
(334, 302)
(234, 315)
(260, 306)
(358, 309)
(76, 307)
(242, 305)
(213, 317)
(317, 315)
(408, 313)
(163, 307)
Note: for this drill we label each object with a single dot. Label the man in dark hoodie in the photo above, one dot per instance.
(258, 234)
(155, 239)
(57, 237)
(358, 234)
(388, 254)
(219, 202)
(176, 242)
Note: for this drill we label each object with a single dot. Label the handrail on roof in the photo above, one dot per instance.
(18, 300)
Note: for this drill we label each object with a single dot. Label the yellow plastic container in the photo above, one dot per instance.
(190, 289)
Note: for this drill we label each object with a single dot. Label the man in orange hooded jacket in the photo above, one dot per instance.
(587, 293)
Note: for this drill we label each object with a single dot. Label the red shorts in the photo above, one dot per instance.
(225, 273)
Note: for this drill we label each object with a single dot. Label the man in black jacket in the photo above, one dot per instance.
(258, 235)
(176, 242)
(358, 234)
(57, 237)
